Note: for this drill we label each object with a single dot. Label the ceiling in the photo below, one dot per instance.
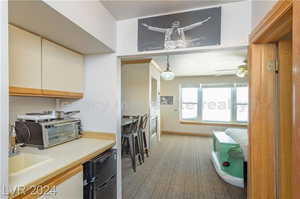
(38, 17)
(125, 9)
(222, 62)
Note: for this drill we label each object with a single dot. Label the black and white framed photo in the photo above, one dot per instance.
(182, 30)
(166, 100)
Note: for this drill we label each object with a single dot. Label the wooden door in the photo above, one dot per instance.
(62, 69)
(24, 59)
(285, 106)
(262, 169)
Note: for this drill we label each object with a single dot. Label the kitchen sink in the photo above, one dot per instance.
(24, 161)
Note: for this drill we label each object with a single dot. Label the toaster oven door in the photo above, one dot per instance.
(60, 133)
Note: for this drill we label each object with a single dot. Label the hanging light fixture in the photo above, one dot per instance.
(168, 74)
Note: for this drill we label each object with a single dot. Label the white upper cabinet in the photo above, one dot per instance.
(24, 59)
(43, 68)
(62, 69)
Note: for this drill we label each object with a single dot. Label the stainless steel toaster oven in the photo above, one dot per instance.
(45, 134)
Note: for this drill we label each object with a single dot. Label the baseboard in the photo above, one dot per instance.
(187, 133)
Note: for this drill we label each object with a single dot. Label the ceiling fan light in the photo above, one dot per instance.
(241, 73)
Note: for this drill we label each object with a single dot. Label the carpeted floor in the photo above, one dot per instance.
(179, 167)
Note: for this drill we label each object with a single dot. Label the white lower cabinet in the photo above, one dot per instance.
(72, 188)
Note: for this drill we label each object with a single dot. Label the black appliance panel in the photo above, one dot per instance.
(105, 167)
(100, 176)
(107, 191)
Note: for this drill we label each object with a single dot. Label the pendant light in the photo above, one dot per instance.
(168, 74)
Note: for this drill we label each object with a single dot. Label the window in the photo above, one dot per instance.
(216, 104)
(189, 103)
(213, 103)
(242, 104)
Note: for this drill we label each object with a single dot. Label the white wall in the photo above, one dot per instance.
(101, 107)
(259, 9)
(135, 89)
(21, 105)
(170, 113)
(91, 16)
(3, 97)
(235, 29)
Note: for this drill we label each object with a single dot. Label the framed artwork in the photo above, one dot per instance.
(181, 30)
(166, 100)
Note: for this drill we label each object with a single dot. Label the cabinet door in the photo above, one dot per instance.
(72, 188)
(62, 69)
(24, 59)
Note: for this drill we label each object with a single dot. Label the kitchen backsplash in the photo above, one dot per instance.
(20, 105)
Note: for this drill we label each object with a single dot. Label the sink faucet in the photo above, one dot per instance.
(13, 146)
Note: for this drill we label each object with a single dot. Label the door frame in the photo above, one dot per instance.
(262, 125)
(282, 19)
(4, 104)
(284, 133)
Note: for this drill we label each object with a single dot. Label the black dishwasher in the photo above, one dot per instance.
(100, 176)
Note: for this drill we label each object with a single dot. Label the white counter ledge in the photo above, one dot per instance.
(62, 158)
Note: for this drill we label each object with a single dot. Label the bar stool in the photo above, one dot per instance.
(143, 134)
(130, 137)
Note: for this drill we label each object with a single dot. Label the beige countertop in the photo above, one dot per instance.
(61, 158)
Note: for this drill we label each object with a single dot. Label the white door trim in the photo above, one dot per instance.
(4, 105)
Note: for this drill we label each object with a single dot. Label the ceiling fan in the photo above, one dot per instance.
(241, 71)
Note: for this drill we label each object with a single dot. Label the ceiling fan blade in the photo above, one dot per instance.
(220, 70)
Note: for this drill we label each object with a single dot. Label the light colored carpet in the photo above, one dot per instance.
(179, 167)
